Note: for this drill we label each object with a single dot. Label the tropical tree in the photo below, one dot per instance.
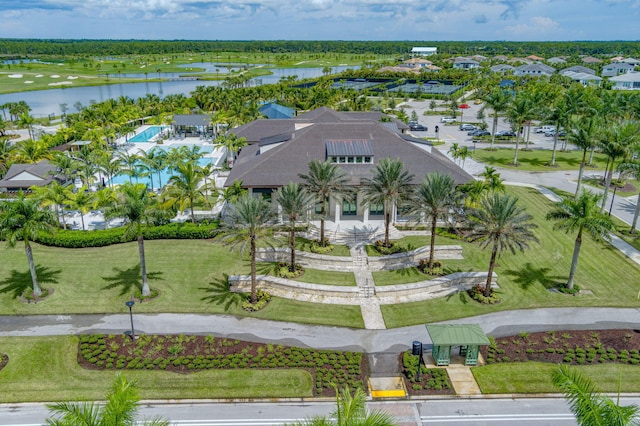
(435, 198)
(231, 193)
(81, 200)
(498, 100)
(121, 409)
(53, 194)
(232, 144)
(248, 220)
(295, 201)
(632, 166)
(520, 110)
(137, 206)
(22, 219)
(390, 186)
(591, 407)
(351, 410)
(579, 215)
(492, 179)
(582, 135)
(6, 155)
(325, 179)
(500, 223)
(184, 189)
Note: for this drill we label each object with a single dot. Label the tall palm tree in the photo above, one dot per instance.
(295, 201)
(81, 200)
(22, 220)
(184, 189)
(500, 223)
(137, 205)
(248, 220)
(520, 110)
(435, 198)
(591, 407)
(6, 155)
(325, 180)
(581, 214)
(232, 144)
(632, 166)
(121, 409)
(583, 135)
(390, 186)
(492, 179)
(351, 410)
(617, 141)
(498, 101)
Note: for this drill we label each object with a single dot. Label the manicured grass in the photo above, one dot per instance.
(525, 278)
(536, 160)
(532, 377)
(304, 244)
(188, 274)
(317, 276)
(46, 369)
(400, 276)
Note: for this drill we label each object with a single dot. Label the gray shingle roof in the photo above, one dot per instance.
(191, 120)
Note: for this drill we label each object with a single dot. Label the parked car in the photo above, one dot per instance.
(418, 127)
(447, 119)
(544, 129)
(467, 127)
(552, 133)
(479, 132)
(505, 134)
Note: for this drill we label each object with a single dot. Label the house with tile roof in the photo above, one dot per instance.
(616, 68)
(465, 63)
(577, 68)
(356, 141)
(591, 60)
(628, 81)
(534, 69)
(584, 78)
(503, 68)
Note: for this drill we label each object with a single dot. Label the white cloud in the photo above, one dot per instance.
(536, 26)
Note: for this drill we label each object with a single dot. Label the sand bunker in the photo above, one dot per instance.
(39, 75)
(55, 76)
(15, 76)
(71, 77)
(28, 81)
(61, 83)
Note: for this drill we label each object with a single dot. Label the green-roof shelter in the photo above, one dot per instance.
(468, 337)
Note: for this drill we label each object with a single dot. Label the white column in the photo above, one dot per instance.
(365, 214)
(337, 210)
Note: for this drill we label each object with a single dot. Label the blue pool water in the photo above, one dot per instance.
(147, 134)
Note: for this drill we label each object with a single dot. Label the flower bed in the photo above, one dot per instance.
(183, 354)
(433, 381)
(570, 347)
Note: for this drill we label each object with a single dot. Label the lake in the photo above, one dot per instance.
(46, 102)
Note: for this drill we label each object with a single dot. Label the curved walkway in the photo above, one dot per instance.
(322, 337)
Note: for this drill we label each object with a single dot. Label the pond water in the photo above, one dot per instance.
(46, 102)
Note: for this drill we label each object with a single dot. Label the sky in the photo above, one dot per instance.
(512, 20)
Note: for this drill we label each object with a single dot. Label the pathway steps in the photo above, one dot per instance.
(369, 303)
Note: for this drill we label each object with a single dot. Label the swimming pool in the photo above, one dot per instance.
(164, 176)
(147, 134)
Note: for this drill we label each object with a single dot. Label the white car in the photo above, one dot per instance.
(447, 119)
(544, 129)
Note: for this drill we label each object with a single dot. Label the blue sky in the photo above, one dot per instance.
(516, 20)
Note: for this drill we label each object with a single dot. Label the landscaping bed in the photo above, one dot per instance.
(185, 354)
(433, 381)
(569, 347)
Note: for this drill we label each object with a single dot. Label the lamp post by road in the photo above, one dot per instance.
(131, 332)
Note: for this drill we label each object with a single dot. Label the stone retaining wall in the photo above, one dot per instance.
(351, 295)
(344, 263)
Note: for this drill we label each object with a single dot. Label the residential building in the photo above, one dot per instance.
(21, 177)
(577, 68)
(556, 60)
(503, 68)
(273, 111)
(591, 60)
(417, 63)
(584, 78)
(465, 63)
(424, 51)
(534, 69)
(616, 68)
(628, 81)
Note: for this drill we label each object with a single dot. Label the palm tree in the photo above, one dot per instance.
(390, 187)
(184, 189)
(232, 144)
(351, 410)
(248, 220)
(325, 179)
(6, 155)
(591, 407)
(81, 200)
(582, 134)
(501, 223)
(231, 193)
(137, 206)
(498, 100)
(121, 409)
(22, 220)
(633, 166)
(53, 194)
(520, 111)
(617, 141)
(581, 214)
(294, 200)
(435, 197)
(492, 179)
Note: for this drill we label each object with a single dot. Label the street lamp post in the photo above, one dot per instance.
(130, 304)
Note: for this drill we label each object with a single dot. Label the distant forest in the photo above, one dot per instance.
(28, 47)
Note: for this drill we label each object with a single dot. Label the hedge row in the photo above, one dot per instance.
(106, 237)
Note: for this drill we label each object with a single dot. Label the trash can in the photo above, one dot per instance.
(416, 348)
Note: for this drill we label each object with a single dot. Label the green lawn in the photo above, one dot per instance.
(525, 278)
(187, 273)
(46, 369)
(536, 160)
(317, 276)
(533, 377)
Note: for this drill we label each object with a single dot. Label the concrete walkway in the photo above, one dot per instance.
(369, 304)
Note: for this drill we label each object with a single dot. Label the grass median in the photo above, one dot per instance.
(46, 369)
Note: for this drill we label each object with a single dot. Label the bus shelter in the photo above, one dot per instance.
(468, 337)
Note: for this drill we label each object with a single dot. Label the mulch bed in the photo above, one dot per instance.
(185, 354)
(4, 360)
(574, 347)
